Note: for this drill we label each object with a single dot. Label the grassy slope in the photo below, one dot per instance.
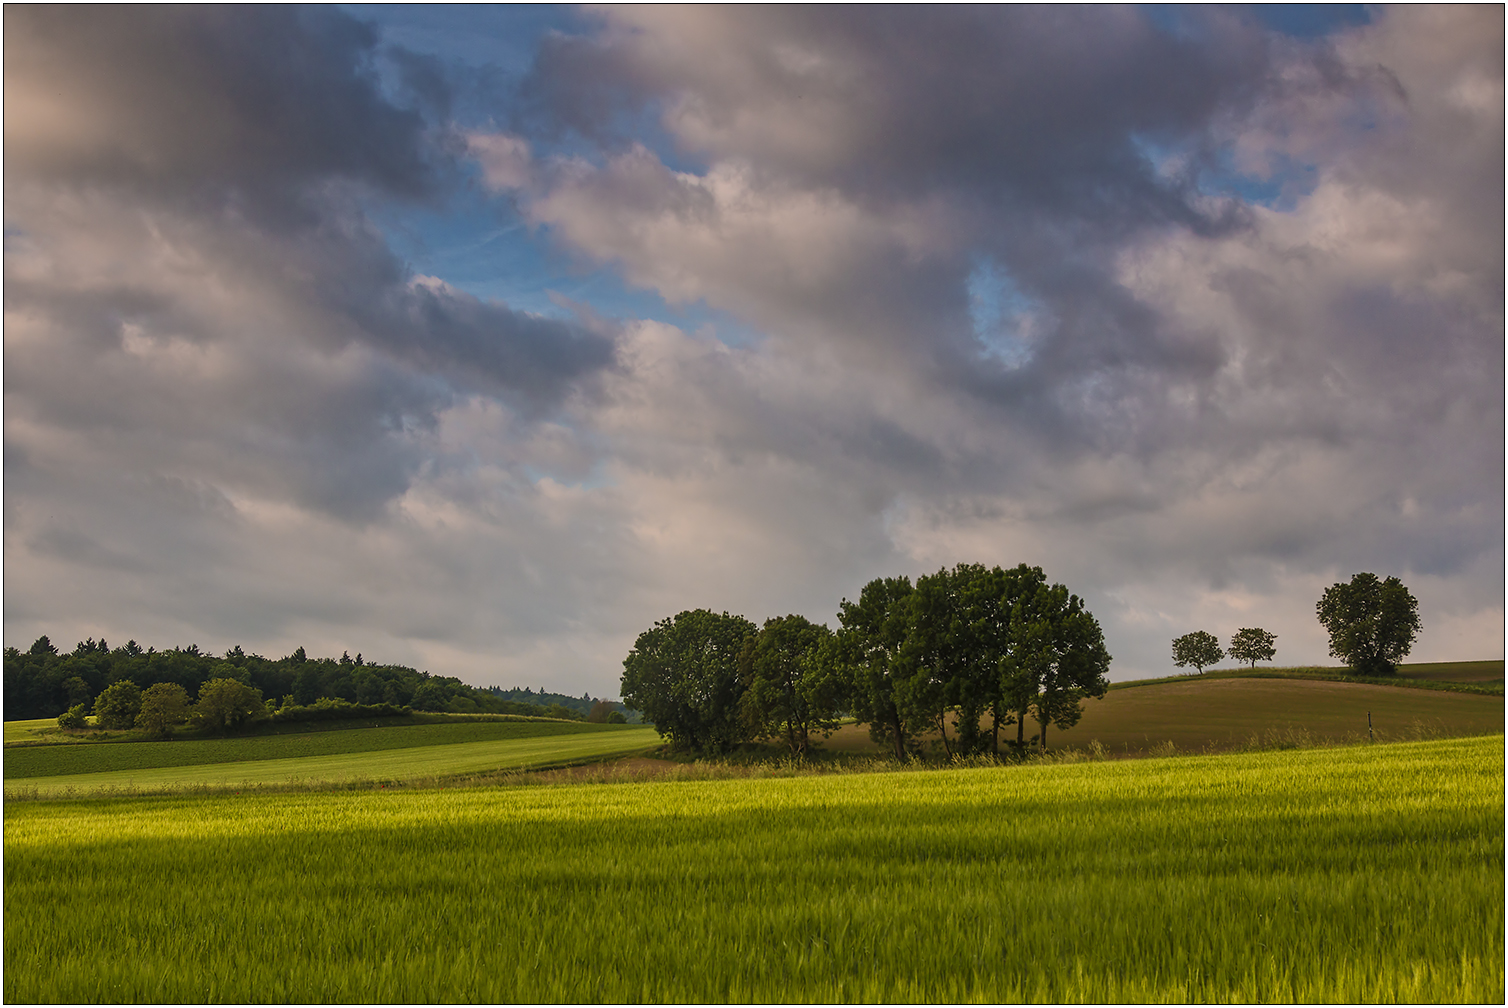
(47, 761)
(1370, 875)
(370, 765)
(1222, 713)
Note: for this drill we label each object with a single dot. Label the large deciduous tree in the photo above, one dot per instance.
(1372, 622)
(682, 675)
(1253, 644)
(227, 703)
(864, 656)
(163, 705)
(118, 704)
(787, 695)
(1058, 648)
(1199, 649)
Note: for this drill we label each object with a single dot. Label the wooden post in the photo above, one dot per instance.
(1369, 727)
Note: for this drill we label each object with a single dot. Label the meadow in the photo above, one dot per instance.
(1359, 874)
(45, 761)
(387, 753)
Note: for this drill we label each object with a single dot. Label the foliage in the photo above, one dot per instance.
(40, 682)
(76, 716)
(787, 696)
(326, 709)
(1372, 623)
(683, 676)
(1035, 884)
(224, 704)
(118, 705)
(971, 640)
(163, 705)
(1253, 644)
(863, 660)
(1199, 649)
(1058, 646)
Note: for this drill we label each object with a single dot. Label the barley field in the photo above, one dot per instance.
(1362, 874)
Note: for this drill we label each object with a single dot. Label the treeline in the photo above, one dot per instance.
(585, 704)
(41, 682)
(991, 648)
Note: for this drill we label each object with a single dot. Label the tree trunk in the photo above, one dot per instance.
(995, 730)
(1021, 729)
(900, 748)
(943, 727)
(1042, 742)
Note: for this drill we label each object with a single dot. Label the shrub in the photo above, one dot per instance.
(328, 709)
(74, 717)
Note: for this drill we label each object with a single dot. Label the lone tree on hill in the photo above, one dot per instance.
(1253, 644)
(1198, 649)
(1372, 623)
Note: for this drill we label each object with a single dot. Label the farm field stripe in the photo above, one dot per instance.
(46, 761)
(1369, 874)
(390, 764)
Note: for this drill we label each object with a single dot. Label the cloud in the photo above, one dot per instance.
(1211, 385)
(1198, 317)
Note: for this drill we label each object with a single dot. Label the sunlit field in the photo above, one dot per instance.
(1362, 874)
(386, 753)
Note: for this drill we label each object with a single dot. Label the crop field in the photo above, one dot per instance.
(1361, 874)
(1205, 714)
(384, 753)
(47, 761)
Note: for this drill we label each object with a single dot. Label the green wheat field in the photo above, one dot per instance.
(1354, 874)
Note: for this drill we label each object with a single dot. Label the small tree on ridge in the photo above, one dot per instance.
(1253, 644)
(1199, 649)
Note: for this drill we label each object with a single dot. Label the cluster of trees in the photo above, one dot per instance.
(1201, 649)
(973, 642)
(1372, 624)
(41, 682)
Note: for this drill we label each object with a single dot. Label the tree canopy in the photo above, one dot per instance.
(683, 675)
(1199, 649)
(1372, 622)
(41, 682)
(969, 642)
(1253, 644)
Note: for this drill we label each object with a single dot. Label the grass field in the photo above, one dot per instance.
(47, 761)
(1364, 874)
(430, 757)
(1214, 714)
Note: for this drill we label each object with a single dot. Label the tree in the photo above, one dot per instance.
(862, 661)
(1372, 623)
(1198, 649)
(225, 704)
(118, 704)
(682, 674)
(162, 706)
(78, 692)
(1058, 646)
(1253, 644)
(785, 692)
(599, 712)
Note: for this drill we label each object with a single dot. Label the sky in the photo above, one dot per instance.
(481, 339)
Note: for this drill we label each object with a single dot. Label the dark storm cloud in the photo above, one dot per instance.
(266, 100)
